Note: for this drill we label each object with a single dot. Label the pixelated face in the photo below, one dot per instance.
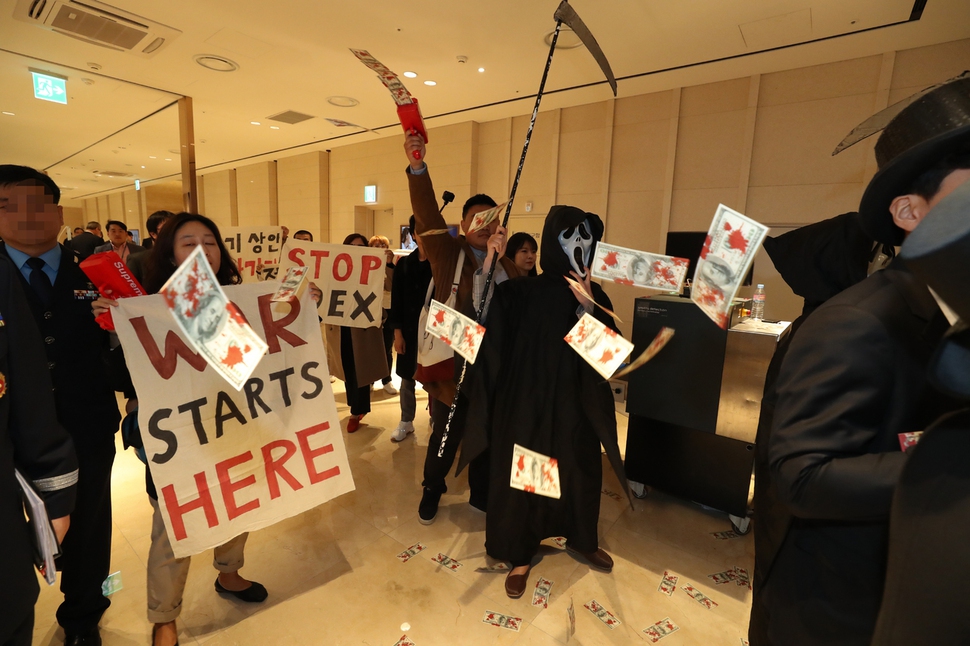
(28, 216)
(577, 242)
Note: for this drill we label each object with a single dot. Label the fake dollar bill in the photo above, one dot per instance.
(540, 597)
(599, 345)
(658, 343)
(211, 322)
(660, 630)
(730, 247)
(602, 614)
(484, 218)
(457, 330)
(639, 268)
(390, 80)
(290, 285)
(502, 621)
(534, 473)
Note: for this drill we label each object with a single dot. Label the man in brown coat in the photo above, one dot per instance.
(443, 252)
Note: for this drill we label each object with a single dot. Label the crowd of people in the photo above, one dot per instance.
(860, 370)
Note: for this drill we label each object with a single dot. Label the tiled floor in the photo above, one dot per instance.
(333, 577)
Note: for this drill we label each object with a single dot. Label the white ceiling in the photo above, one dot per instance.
(293, 54)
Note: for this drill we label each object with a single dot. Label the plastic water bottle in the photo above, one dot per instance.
(758, 303)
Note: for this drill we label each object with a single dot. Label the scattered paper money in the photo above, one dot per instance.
(112, 584)
(724, 536)
(410, 552)
(210, 322)
(658, 343)
(447, 562)
(699, 596)
(602, 614)
(502, 621)
(668, 583)
(728, 252)
(484, 218)
(660, 630)
(489, 569)
(534, 473)
(390, 80)
(404, 641)
(582, 290)
(346, 124)
(909, 440)
(571, 613)
(540, 597)
(639, 268)
(560, 542)
(720, 578)
(457, 330)
(741, 578)
(612, 494)
(599, 345)
(290, 285)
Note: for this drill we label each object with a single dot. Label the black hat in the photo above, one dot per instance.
(931, 127)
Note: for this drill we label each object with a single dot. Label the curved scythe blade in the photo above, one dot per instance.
(568, 15)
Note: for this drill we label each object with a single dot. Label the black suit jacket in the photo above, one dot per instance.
(31, 440)
(85, 243)
(75, 346)
(853, 379)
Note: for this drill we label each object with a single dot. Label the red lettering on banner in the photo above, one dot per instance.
(274, 467)
(275, 330)
(174, 347)
(309, 454)
(295, 254)
(176, 511)
(348, 263)
(319, 254)
(229, 488)
(370, 263)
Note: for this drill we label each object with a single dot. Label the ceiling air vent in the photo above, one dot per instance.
(98, 24)
(112, 173)
(291, 117)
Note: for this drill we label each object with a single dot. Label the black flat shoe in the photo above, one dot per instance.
(255, 593)
(91, 638)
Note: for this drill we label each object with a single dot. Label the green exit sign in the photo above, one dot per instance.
(50, 88)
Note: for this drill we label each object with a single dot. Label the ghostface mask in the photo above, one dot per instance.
(577, 242)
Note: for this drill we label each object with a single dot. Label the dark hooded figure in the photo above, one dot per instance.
(532, 389)
(817, 261)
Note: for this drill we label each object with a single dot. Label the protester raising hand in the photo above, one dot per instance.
(415, 142)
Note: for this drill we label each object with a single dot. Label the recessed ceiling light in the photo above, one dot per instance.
(254, 123)
(274, 127)
(9, 114)
(142, 166)
(87, 81)
(481, 69)
(567, 39)
(216, 63)
(93, 66)
(152, 157)
(342, 101)
(411, 75)
(167, 159)
(430, 83)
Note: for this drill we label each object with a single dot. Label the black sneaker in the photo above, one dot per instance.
(428, 509)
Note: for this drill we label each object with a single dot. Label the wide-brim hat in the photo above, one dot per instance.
(927, 130)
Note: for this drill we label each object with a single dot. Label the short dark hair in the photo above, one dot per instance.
(156, 218)
(116, 223)
(160, 262)
(411, 224)
(93, 225)
(519, 240)
(76, 229)
(477, 200)
(927, 185)
(13, 175)
(305, 232)
(354, 236)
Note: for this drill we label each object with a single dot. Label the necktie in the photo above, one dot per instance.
(39, 280)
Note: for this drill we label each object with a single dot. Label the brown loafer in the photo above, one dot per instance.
(515, 584)
(598, 560)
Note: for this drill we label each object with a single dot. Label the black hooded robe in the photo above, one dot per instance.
(529, 387)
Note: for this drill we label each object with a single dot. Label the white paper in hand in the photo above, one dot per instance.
(457, 330)
(728, 252)
(211, 322)
(535, 473)
(599, 345)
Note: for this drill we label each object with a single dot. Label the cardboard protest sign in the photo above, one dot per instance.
(251, 246)
(227, 462)
(351, 278)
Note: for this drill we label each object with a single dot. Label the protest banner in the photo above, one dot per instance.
(351, 278)
(251, 246)
(227, 462)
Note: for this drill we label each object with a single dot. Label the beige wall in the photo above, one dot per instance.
(647, 164)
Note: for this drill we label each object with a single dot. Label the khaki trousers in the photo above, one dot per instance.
(167, 574)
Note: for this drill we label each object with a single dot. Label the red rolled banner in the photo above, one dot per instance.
(113, 279)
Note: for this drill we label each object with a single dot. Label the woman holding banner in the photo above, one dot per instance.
(358, 357)
(167, 574)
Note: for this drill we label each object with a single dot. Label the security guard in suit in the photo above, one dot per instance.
(59, 296)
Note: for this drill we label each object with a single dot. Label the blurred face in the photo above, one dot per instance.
(192, 234)
(303, 236)
(525, 258)
(78, 231)
(478, 239)
(380, 244)
(357, 242)
(29, 217)
(117, 235)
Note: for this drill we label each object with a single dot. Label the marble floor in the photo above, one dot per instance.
(333, 576)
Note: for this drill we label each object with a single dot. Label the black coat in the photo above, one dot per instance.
(410, 285)
(529, 387)
(85, 243)
(30, 439)
(929, 530)
(76, 350)
(853, 379)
